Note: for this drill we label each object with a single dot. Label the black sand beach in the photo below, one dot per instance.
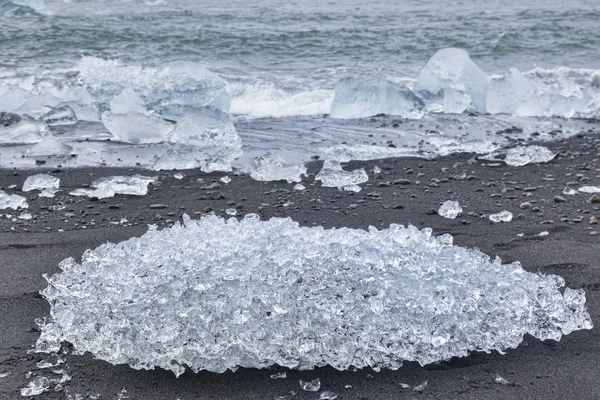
(403, 193)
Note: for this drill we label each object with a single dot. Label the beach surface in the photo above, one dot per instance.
(404, 192)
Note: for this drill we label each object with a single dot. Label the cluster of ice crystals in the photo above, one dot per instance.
(450, 209)
(216, 294)
(365, 96)
(333, 175)
(502, 216)
(13, 201)
(41, 182)
(136, 185)
(272, 167)
(24, 131)
(523, 155)
(454, 81)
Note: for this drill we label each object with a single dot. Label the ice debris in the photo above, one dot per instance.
(589, 189)
(523, 155)
(332, 175)
(271, 167)
(299, 186)
(421, 387)
(41, 182)
(26, 131)
(49, 147)
(328, 395)
(135, 128)
(570, 191)
(454, 82)
(13, 201)
(365, 96)
(502, 216)
(37, 386)
(63, 115)
(450, 209)
(136, 185)
(500, 380)
(311, 386)
(215, 294)
(279, 375)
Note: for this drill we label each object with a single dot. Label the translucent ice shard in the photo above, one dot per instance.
(12, 201)
(41, 182)
(332, 175)
(589, 189)
(137, 128)
(37, 386)
(136, 185)
(523, 155)
(26, 131)
(63, 115)
(365, 96)
(450, 209)
(502, 216)
(328, 395)
(311, 386)
(452, 79)
(49, 147)
(215, 294)
(271, 167)
(127, 102)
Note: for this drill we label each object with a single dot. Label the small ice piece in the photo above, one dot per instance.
(26, 131)
(62, 115)
(25, 216)
(332, 175)
(50, 362)
(37, 386)
(271, 167)
(502, 216)
(328, 395)
(12, 201)
(136, 128)
(450, 209)
(544, 233)
(136, 185)
(570, 191)
(49, 147)
(279, 375)
(421, 387)
(40, 182)
(376, 170)
(500, 380)
(404, 385)
(231, 211)
(311, 386)
(4, 374)
(589, 189)
(523, 155)
(299, 186)
(178, 176)
(128, 102)
(452, 76)
(365, 96)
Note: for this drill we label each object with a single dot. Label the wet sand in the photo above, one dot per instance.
(536, 370)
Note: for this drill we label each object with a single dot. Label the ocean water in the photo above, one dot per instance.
(282, 59)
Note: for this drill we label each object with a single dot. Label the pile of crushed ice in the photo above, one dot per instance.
(216, 294)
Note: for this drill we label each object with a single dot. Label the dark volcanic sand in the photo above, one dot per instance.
(569, 369)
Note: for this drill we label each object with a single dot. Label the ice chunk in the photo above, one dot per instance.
(127, 102)
(12, 201)
(136, 185)
(332, 175)
(271, 167)
(589, 189)
(137, 128)
(364, 96)
(452, 75)
(225, 179)
(37, 386)
(63, 115)
(328, 395)
(40, 182)
(299, 186)
(450, 209)
(421, 387)
(49, 147)
(311, 386)
(500, 380)
(279, 375)
(570, 191)
(523, 155)
(26, 131)
(345, 153)
(215, 294)
(502, 216)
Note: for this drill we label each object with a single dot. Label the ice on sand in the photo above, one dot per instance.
(136, 185)
(26, 131)
(215, 294)
(365, 96)
(37, 386)
(311, 386)
(41, 182)
(272, 167)
(333, 175)
(13, 201)
(454, 81)
(450, 209)
(589, 189)
(49, 147)
(137, 128)
(502, 216)
(523, 155)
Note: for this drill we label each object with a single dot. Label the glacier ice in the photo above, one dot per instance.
(459, 83)
(333, 175)
(49, 147)
(26, 131)
(109, 186)
(126, 102)
(365, 96)
(41, 182)
(37, 386)
(137, 128)
(63, 115)
(523, 155)
(215, 294)
(13, 201)
(502, 216)
(450, 209)
(589, 189)
(272, 167)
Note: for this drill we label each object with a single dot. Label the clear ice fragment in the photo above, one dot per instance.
(215, 294)
(332, 175)
(299, 186)
(420, 387)
(570, 191)
(49, 147)
(12, 201)
(109, 186)
(136, 128)
(311, 386)
(37, 386)
(523, 155)
(40, 182)
(450, 209)
(279, 375)
(328, 395)
(225, 179)
(26, 131)
(271, 167)
(128, 102)
(63, 115)
(589, 189)
(231, 211)
(178, 176)
(500, 380)
(502, 216)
